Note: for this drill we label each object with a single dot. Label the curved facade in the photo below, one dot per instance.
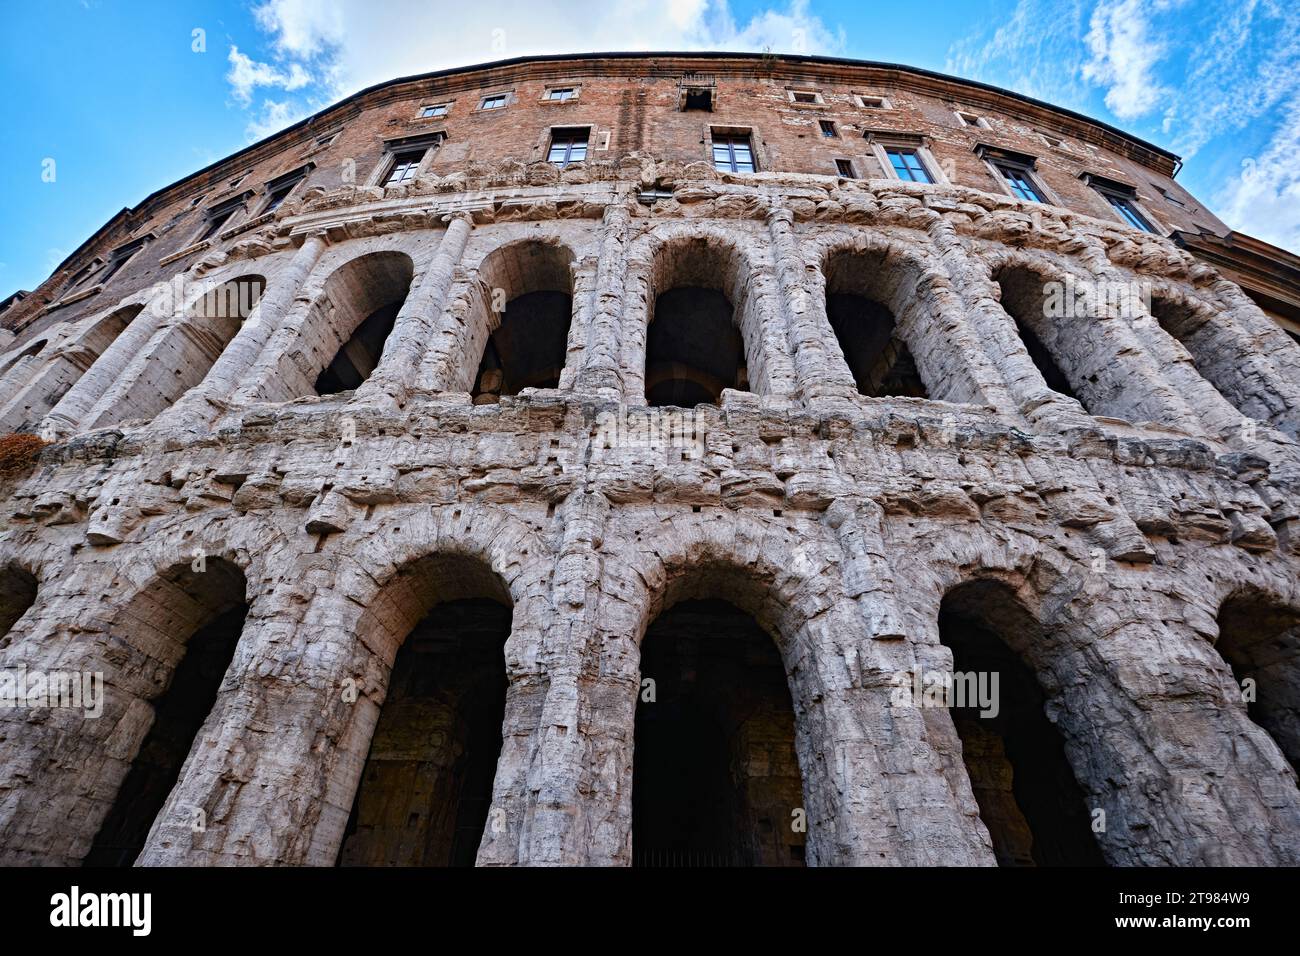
(609, 459)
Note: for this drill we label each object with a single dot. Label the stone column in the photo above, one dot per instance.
(821, 374)
(601, 373)
(67, 416)
(238, 357)
(415, 323)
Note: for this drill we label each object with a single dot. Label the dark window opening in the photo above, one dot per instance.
(530, 341)
(1260, 641)
(405, 165)
(1028, 797)
(801, 97)
(17, 594)
(360, 354)
(374, 287)
(1022, 299)
(528, 348)
(908, 165)
(699, 98)
(568, 146)
(1128, 211)
(828, 129)
(845, 168)
(425, 795)
(716, 779)
(733, 153)
(215, 598)
(693, 349)
(1020, 182)
(879, 360)
(217, 219)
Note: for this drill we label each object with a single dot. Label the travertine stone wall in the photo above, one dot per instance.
(838, 522)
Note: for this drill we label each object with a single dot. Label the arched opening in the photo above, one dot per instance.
(1024, 298)
(528, 286)
(1259, 638)
(188, 351)
(351, 321)
(694, 347)
(716, 779)
(182, 632)
(858, 286)
(1028, 797)
(426, 789)
(31, 351)
(17, 594)
(1214, 350)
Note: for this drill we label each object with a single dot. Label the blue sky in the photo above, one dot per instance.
(124, 96)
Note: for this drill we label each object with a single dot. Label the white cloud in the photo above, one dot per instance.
(353, 44)
(275, 116)
(246, 74)
(1125, 55)
(1264, 199)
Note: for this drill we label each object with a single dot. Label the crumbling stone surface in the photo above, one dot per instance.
(1105, 531)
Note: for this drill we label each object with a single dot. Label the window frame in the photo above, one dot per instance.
(794, 92)
(999, 161)
(574, 88)
(560, 131)
(882, 141)
(413, 168)
(1123, 203)
(504, 97)
(731, 135)
(840, 164)
(293, 179)
(217, 218)
(424, 111)
(828, 129)
(913, 151)
(878, 102)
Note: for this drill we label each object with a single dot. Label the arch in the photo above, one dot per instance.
(17, 594)
(1259, 640)
(425, 792)
(716, 779)
(182, 355)
(1218, 352)
(65, 367)
(523, 309)
(868, 285)
(701, 320)
(179, 634)
(1028, 797)
(352, 317)
(1023, 289)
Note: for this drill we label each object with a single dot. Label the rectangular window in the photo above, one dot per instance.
(969, 119)
(278, 195)
(1021, 183)
(438, 109)
(404, 167)
(828, 129)
(873, 102)
(845, 168)
(908, 165)
(1128, 211)
(732, 153)
(216, 219)
(561, 94)
(698, 98)
(568, 146)
(803, 96)
(494, 102)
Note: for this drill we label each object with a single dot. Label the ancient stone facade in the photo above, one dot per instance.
(613, 512)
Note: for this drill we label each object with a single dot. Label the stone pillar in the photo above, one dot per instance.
(415, 323)
(601, 374)
(67, 416)
(821, 373)
(242, 352)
